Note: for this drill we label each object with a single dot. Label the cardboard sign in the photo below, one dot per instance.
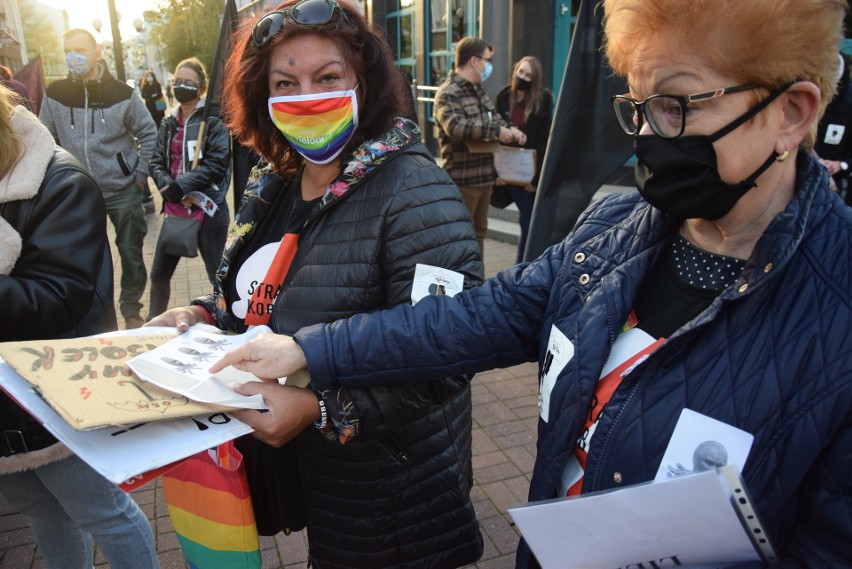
(86, 382)
(127, 455)
(515, 166)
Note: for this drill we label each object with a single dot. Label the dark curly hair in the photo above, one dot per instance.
(365, 50)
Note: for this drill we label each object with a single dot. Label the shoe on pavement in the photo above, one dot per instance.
(131, 322)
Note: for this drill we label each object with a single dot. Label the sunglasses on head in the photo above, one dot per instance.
(304, 13)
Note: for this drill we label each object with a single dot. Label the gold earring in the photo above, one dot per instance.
(783, 156)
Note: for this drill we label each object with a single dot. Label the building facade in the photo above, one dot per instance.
(423, 35)
(13, 51)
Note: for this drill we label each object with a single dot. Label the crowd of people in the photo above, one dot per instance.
(717, 287)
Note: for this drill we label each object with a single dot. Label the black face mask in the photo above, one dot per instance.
(185, 93)
(521, 84)
(680, 176)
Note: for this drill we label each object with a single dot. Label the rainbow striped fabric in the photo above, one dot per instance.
(210, 507)
(317, 126)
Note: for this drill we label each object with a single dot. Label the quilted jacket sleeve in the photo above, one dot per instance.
(427, 223)
(823, 534)
(496, 325)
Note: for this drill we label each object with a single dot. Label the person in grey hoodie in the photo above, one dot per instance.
(105, 125)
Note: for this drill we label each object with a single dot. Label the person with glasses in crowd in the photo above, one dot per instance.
(56, 281)
(350, 214)
(192, 175)
(464, 113)
(718, 287)
(527, 105)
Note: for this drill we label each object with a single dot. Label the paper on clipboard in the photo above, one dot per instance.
(180, 366)
(701, 520)
(515, 166)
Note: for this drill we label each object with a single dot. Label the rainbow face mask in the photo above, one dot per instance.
(317, 126)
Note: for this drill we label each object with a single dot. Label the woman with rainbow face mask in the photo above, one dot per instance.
(347, 205)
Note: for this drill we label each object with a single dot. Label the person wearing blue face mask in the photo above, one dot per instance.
(106, 126)
(465, 113)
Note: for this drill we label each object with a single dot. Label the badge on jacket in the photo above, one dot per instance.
(834, 134)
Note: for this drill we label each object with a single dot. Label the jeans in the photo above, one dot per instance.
(211, 242)
(127, 215)
(524, 200)
(477, 200)
(67, 503)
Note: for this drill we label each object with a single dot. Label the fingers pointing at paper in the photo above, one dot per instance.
(267, 355)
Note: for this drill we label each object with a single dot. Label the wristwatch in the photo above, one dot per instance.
(844, 165)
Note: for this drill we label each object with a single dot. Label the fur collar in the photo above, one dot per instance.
(33, 459)
(24, 180)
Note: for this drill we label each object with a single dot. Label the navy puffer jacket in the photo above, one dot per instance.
(771, 356)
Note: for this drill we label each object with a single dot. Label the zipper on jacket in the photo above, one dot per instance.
(396, 449)
(86, 130)
(605, 445)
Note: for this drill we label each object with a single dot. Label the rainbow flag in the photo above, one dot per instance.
(210, 507)
(318, 131)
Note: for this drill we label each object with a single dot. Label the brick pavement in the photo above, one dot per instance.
(504, 427)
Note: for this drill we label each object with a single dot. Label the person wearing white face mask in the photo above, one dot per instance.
(152, 93)
(105, 125)
(464, 113)
(336, 221)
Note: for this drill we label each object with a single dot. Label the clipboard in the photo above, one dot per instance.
(704, 519)
(515, 166)
(482, 146)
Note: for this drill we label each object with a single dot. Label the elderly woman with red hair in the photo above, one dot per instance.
(721, 286)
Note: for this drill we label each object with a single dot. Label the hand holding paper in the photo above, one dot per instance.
(181, 318)
(291, 411)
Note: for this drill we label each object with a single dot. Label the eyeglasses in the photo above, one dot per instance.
(486, 59)
(666, 114)
(185, 83)
(304, 13)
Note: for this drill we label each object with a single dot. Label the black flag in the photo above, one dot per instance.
(214, 86)
(586, 143)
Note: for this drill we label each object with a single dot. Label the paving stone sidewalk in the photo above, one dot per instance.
(504, 431)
